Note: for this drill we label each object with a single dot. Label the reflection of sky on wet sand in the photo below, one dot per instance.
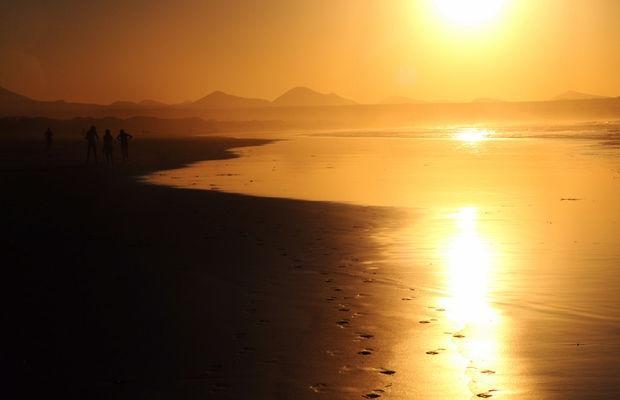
(515, 240)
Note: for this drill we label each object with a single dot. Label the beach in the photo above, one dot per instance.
(168, 279)
(131, 290)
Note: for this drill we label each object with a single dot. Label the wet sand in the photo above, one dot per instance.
(122, 289)
(125, 290)
(511, 243)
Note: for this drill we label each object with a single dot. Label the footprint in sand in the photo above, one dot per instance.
(435, 352)
(386, 371)
(487, 371)
(376, 393)
(365, 335)
(407, 298)
(344, 308)
(331, 298)
(424, 321)
(318, 387)
(365, 352)
(458, 336)
(343, 323)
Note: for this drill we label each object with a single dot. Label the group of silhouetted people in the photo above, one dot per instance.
(92, 138)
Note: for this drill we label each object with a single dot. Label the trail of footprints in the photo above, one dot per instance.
(457, 336)
(360, 336)
(346, 322)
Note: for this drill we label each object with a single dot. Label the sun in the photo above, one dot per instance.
(469, 13)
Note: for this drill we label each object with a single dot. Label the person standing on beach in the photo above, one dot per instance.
(108, 147)
(49, 139)
(123, 138)
(91, 138)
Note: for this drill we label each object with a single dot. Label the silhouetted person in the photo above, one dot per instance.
(49, 139)
(123, 138)
(108, 147)
(92, 138)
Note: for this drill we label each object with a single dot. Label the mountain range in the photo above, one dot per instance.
(305, 105)
(11, 102)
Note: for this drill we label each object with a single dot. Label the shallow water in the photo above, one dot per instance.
(515, 237)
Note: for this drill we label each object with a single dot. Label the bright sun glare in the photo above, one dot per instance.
(469, 13)
(469, 261)
(472, 135)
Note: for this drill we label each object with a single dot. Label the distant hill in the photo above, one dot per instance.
(304, 107)
(400, 100)
(572, 95)
(220, 99)
(141, 104)
(152, 103)
(304, 97)
(8, 98)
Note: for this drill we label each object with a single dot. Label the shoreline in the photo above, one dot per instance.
(123, 290)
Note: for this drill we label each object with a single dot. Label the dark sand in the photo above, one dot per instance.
(117, 289)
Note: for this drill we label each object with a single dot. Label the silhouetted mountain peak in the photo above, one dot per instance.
(302, 96)
(7, 96)
(219, 99)
(573, 95)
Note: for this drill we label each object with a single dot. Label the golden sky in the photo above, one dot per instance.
(102, 51)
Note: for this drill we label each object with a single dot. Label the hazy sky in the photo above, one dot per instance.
(174, 50)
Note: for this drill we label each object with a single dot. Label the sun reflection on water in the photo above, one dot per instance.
(469, 263)
(472, 135)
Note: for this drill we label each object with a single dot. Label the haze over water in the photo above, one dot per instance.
(514, 237)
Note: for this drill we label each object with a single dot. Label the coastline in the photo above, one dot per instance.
(135, 289)
(121, 289)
